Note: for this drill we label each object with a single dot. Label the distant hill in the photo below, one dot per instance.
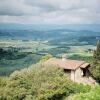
(14, 26)
(45, 34)
(52, 33)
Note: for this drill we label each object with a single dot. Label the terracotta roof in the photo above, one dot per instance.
(66, 63)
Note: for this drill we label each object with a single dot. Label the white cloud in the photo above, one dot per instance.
(50, 11)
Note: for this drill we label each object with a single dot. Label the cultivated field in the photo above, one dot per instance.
(23, 53)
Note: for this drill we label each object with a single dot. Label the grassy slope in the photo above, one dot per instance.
(39, 82)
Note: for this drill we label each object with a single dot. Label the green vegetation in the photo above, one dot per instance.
(20, 49)
(46, 57)
(39, 82)
(18, 54)
(95, 69)
(94, 94)
(12, 54)
(12, 59)
(80, 56)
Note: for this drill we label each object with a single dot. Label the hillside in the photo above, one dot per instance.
(52, 35)
(49, 49)
(40, 83)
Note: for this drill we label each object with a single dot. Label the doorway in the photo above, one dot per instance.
(84, 72)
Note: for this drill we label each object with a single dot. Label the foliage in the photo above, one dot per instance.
(46, 57)
(3, 81)
(94, 94)
(95, 69)
(12, 59)
(39, 82)
(17, 54)
(80, 88)
(12, 54)
(80, 57)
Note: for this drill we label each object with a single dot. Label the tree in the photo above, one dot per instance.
(46, 57)
(97, 52)
(95, 68)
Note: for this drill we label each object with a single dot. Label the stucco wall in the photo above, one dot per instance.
(76, 75)
(73, 75)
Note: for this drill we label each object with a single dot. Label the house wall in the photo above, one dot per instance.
(73, 75)
(76, 75)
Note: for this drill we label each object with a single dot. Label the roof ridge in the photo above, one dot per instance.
(67, 63)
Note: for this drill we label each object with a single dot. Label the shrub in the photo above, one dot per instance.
(40, 82)
(94, 94)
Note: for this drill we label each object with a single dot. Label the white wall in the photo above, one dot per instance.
(73, 75)
(76, 75)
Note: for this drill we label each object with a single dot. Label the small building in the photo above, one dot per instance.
(75, 69)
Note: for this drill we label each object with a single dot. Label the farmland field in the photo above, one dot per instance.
(28, 52)
(21, 48)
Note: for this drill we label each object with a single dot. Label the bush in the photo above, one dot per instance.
(80, 88)
(46, 57)
(39, 82)
(94, 94)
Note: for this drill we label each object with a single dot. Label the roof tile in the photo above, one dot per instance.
(66, 63)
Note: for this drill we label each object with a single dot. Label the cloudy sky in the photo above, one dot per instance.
(50, 11)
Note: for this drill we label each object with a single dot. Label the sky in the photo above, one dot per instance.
(50, 11)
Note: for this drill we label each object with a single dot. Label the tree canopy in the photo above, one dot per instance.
(39, 82)
(95, 68)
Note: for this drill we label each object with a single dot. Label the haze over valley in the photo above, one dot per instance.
(31, 43)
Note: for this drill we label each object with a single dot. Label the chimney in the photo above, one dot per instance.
(63, 57)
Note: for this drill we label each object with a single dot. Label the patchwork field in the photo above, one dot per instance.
(21, 48)
(23, 53)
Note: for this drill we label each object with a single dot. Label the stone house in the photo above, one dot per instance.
(76, 70)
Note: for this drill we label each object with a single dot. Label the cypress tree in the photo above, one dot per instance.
(95, 68)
